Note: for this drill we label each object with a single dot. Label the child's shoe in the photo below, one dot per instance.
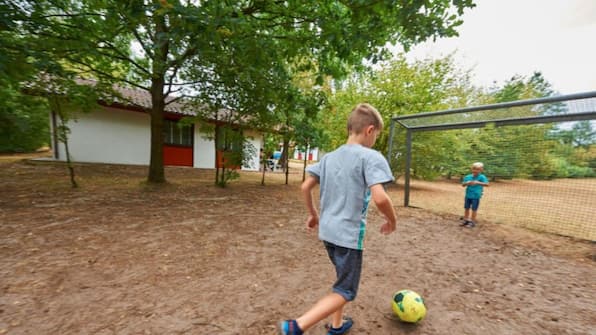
(344, 329)
(289, 327)
(345, 318)
(470, 224)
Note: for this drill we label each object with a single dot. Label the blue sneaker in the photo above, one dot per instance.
(289, 327)
(344, 329)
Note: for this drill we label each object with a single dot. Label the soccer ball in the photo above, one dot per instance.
(408, 306)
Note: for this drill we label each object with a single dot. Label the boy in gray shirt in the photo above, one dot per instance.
(349, 178)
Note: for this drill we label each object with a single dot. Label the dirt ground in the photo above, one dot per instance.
(118, 257)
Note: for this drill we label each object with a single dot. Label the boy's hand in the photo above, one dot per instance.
(387, 228)
(312, 222)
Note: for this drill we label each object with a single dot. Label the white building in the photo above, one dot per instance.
(312, 154)
(120, 133)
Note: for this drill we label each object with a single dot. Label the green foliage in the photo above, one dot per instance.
(530, 151)
(23, 119)
(575, 149)
(581, 134)
(402, 88)
(539, 151)
(236, 150)
(24, 124)
(224, 53)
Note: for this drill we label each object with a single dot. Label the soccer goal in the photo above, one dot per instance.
(539, 156)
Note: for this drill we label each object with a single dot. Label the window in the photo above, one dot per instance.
(229, 139)
(177, 134)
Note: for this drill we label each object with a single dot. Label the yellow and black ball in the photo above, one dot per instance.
(408, 306)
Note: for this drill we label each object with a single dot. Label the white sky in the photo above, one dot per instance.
(502, 38)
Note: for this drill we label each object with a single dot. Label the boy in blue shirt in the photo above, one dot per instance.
(474, 184)
(349, 178)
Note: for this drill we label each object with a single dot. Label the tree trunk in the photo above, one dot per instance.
(263, 160)
(160, 58)
(156, 169)
(305, 161)
(215, 144)
(71, 172)
(61, 132)
(285, 156)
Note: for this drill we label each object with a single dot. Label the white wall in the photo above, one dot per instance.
(256, 139)
(204, 151)
(119, 136)
(311, 151)
(109, 136)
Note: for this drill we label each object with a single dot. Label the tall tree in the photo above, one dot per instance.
(399, 87)
(520, 151)
(174, 42)
(23, 118)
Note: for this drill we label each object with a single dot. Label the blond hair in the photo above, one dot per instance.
(362, 116)
(478, 165)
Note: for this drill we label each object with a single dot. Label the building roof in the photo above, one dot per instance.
(139, 99)
(134, 97)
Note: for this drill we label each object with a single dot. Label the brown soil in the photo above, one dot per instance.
(118, 257)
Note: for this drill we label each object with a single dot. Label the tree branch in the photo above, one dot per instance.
(178, 98)
(106, 74)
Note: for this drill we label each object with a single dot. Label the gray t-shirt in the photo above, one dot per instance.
(345, 177)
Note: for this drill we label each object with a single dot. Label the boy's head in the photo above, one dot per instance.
(477, 168)
(366, 120)
(362, 116)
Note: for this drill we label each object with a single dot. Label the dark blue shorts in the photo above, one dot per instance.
(348, 266)
(472, 203)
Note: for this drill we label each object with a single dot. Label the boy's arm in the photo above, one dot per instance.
(483, 181)
(313, 215)
(385, 206)
(465, 182)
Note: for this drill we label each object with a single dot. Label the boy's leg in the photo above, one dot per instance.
(467, 206)
(329, 304)
(337, 317)
(348, 265)
(475, 206)
(466, 218)
(472, 222)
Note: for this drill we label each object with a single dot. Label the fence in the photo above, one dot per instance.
(539, 155)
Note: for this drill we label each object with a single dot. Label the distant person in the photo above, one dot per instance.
(349, 177)
(273, 161)
(474, 184)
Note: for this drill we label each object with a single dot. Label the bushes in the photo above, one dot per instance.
(24, 121)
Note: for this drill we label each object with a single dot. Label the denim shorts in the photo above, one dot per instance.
(474, 203)
(348, 266)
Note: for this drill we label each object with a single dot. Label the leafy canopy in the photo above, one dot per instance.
(235, 54)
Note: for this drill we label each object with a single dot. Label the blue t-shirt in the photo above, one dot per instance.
(474, 191)
(345, 177)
